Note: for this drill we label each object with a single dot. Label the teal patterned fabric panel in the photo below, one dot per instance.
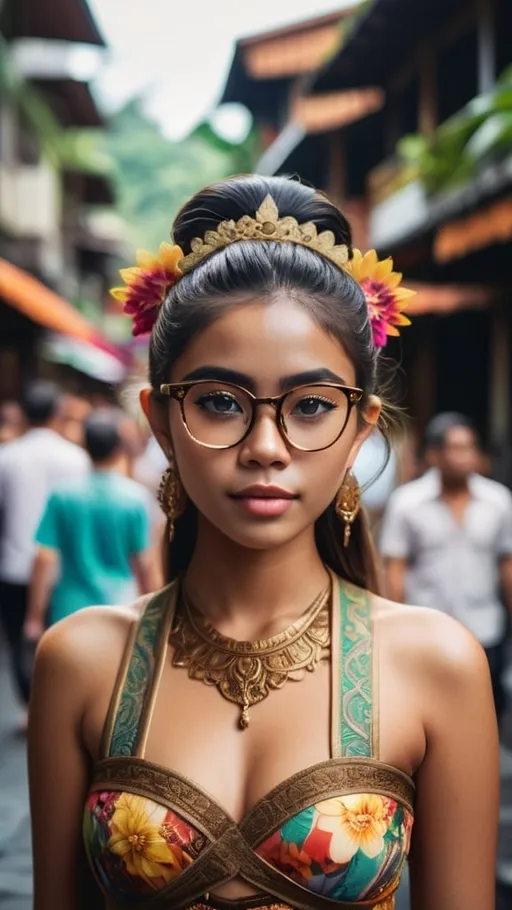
(138, 678)
(356, 672)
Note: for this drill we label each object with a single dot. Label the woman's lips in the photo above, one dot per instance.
(268, 502)
(263, 505)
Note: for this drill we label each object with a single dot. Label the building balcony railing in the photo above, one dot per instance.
(409, 210)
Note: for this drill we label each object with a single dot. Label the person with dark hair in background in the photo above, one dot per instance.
(30, 467)
(447, 541)
(250, 737)
(96, 531)
(12, 422)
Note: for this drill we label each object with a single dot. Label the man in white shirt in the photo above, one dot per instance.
(447, 541)
(30, 469)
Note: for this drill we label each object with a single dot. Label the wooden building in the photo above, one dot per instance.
(423, 69)
(50, 252)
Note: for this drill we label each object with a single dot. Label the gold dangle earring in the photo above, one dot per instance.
(172, 497)
(348, 503)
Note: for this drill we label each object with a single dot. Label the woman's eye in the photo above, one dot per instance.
(219, 403)
(313, 407)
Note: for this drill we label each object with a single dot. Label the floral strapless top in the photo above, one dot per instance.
(338, 831)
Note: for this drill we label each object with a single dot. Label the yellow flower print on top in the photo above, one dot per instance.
(356, 823)
(138, 838)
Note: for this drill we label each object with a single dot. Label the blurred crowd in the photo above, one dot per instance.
(79, 521)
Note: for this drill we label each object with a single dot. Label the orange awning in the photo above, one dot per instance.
(282, 56)
(40, 304)
(446, 298)
(318, 113)
(491, 224)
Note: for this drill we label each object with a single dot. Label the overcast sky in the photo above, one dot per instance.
(178, 54)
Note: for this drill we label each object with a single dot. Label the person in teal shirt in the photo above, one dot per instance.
(94, 534)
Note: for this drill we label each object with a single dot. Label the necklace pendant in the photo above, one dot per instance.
(244, 717)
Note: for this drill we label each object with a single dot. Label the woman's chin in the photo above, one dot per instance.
(263, 535)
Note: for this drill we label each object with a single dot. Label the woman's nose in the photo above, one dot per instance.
(265, 444)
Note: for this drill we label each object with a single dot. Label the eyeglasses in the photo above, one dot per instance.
(220, 415)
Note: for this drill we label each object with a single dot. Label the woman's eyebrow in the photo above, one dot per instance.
(309, 377)
(223, 374)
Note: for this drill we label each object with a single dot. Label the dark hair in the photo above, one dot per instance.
(102, 434)
(40, 402)
(440, 426)
(331, 296)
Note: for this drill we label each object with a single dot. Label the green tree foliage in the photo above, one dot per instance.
(481, 133)
(153, 177)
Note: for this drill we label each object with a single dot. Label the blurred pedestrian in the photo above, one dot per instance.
(30, 468)
(95, 531)
(447, 541)
(72, 413)
(12, 421)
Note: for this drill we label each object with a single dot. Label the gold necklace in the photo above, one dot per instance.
(244, 672)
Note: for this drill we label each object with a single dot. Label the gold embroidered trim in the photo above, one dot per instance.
(375, 671)
(356, 672)
(335, 777)
(168, 598)
(169, 788)
(335, 668)
(249, 904)
(217, 864)
(138, 682)
(230, 854)
(261, 874)
(387, 904)
(113, 707)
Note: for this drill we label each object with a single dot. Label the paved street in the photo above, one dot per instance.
(15, 865)
(15, 862)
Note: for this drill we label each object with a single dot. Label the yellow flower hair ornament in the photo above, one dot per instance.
(385, 298)
(147, 285)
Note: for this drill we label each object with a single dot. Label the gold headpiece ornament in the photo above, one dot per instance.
(148, 283)
(267, 225)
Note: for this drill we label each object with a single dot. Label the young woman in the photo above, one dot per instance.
(265, 730)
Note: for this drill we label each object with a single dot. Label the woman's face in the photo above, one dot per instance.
(267, 347)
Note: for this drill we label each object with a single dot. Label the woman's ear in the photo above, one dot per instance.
(372, 411)
(158, 419)
(369, 418)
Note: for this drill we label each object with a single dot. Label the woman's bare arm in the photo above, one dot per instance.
(58, 771)
(75, 668)
(453, 851)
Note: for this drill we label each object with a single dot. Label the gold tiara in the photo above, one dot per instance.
(266, 225)
(148, 283)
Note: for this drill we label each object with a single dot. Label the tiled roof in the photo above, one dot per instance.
(71, 101)
(62, 20)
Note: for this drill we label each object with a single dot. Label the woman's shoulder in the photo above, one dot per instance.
(90, 640)
(436, 645)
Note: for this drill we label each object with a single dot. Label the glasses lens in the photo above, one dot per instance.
(216, 414)
(314, 417)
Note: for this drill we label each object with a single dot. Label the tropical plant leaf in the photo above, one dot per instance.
(495, 133)
(483, 128)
